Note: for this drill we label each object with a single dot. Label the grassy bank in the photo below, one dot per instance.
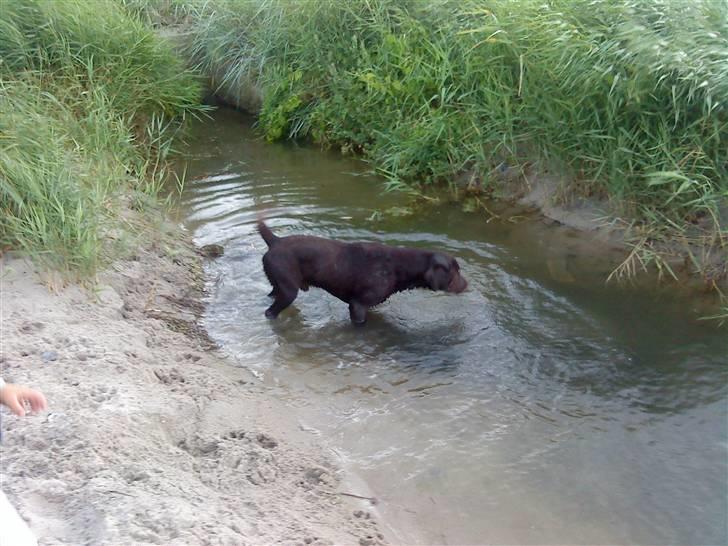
(624, 99)
(90, 102)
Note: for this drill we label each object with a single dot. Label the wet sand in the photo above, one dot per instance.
(151, 436)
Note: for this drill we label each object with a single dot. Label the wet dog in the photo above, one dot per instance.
(360, 274)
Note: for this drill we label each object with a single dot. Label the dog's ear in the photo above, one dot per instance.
(441, 261)
(437, 275)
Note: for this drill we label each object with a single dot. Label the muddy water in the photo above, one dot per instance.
(540, 407)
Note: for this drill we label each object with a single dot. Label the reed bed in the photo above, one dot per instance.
(627, 100)
(90, 103)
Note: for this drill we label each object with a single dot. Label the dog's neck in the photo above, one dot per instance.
(410, 269)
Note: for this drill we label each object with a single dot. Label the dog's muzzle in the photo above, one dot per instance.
(457, 284)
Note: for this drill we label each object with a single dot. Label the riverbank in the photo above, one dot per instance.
(93, 104)
(151, 436)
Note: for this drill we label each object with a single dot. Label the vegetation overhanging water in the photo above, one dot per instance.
(622, 101)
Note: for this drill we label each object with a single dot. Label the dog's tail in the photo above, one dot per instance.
(269, 237)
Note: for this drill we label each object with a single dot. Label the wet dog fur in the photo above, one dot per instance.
(360, 274)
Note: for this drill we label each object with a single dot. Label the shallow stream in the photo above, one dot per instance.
(541, 406)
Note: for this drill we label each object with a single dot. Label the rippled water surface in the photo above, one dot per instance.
(541, 406)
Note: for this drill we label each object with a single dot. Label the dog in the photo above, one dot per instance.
(360, 274)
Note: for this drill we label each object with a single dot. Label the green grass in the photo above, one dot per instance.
(157, 13)
(626, 99)
(90, 102)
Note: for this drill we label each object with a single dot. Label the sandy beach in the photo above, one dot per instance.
(151, 437)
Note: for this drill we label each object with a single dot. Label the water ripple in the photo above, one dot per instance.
(541, 400)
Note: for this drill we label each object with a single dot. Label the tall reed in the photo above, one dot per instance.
(90, 100)
(626, 99)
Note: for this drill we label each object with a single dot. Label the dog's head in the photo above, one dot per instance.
(443, 273)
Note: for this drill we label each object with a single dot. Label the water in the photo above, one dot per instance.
(540, 407)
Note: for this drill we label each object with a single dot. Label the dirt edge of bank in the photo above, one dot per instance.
(151, 436)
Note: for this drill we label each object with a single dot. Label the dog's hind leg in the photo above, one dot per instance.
(285, 295)
(357, 313)
(271, 278)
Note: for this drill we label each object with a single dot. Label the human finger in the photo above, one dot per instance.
(36, 400)
(15, 406)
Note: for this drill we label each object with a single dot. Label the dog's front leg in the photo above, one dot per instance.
(357, 313)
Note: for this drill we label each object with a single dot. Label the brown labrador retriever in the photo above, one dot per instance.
(360, 274)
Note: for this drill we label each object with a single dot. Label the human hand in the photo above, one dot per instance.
(16, 396)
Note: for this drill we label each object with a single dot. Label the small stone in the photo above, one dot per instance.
(206, 448)
(109, 298)
(49, 356)
(36, 443)
(30, 327)
(266, 441)
(212, 251)
(136, 475)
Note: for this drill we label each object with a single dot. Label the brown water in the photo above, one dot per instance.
(540, 407)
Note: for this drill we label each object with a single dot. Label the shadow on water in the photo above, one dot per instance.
(540, 406)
